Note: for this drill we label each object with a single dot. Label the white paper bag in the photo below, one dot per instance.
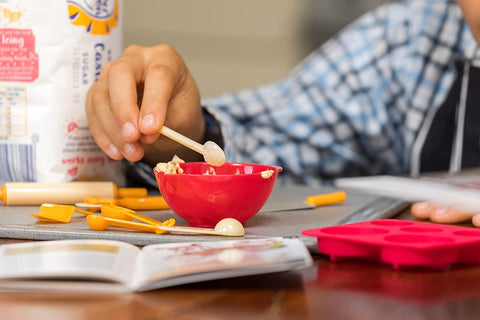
(51, 52)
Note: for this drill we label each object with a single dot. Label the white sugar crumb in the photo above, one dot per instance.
(170, 167)
(173, 167)
(266, 174)
(176, 159)
(211, 171)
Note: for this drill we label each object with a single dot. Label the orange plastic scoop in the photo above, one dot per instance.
(327, 198)
(100, 223)
(57, 212)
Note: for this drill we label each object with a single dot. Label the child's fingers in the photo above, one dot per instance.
(438, 214)
(421, 210)
(447, 215)
(476, 220)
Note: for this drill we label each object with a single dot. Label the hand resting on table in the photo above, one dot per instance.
(439, 214)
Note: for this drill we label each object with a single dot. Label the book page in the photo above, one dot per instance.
(100, 260)
(172, 264)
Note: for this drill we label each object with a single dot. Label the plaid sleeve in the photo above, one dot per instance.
(354, 106)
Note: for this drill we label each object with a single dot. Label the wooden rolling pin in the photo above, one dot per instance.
(35, 193)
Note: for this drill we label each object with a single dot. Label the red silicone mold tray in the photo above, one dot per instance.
(403, 244)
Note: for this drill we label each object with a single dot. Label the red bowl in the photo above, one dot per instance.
(236, 190)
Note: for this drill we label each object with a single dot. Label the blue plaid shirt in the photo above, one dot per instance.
(354, 106)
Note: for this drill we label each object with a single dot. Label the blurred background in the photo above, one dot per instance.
(234, 44)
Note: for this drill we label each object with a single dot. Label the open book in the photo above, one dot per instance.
(105, 265)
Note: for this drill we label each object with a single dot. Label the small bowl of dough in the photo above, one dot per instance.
(203, 194)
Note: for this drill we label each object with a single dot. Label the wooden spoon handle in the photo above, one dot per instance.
(188, 230)
(187, 142)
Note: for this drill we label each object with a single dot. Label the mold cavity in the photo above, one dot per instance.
(414, 238)
(467, 233)
(354, 230)
(420, 229)
(392, 223)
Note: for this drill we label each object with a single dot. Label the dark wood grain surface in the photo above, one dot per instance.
(328, 290)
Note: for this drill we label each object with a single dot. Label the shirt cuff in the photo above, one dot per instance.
(213, 130)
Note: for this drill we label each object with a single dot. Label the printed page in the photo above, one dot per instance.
(100, 260)
(165, 265)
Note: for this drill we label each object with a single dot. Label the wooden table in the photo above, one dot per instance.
(328, 290)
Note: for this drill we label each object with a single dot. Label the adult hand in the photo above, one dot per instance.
(135, 95)
(438, 214)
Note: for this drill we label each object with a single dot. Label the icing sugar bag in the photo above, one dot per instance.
(50, 54)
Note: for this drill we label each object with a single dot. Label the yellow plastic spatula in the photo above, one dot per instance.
(57, 212)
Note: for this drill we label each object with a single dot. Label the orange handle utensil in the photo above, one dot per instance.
(100, 223)
(108, 210)
(327, 198)
(133, 203)
(144, 203)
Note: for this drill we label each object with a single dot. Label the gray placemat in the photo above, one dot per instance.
(15, 222)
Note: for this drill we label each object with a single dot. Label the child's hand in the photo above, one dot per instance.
(426, 210)
(135, 95)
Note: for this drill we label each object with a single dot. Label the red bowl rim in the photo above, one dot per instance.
(267, 167)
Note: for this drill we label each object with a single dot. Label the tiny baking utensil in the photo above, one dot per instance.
(134, 203)
(112, 211)
(226, 227)
(63, 213)
(211, 152)
(57, 212)
(310, 202)
(101, 223)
